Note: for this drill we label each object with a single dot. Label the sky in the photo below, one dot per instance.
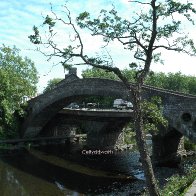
(19, 16)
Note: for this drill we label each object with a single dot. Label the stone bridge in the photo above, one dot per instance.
(102, 127)
(178, 108)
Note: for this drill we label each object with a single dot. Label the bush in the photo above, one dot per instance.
(177, 185)
(188, 145)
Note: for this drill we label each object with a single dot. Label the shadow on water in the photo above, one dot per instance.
(119, 162)
(36, 170)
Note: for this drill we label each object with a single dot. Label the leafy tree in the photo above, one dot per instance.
(171, 81)
(158, 26)
(100, 73)
(18, 79)
(152, 115)
(192, 85)
(51, 84)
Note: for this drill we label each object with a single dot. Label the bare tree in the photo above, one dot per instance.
(144, 34)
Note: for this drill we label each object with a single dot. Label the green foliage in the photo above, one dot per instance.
(18, 79)
(171, 81)
(98, 73)
(188, 145)
(49, 21)
(36, 37)
(152, 115)
(51, 84)
(152, 118)
(129, 137)
(178, 184)
(82, 16)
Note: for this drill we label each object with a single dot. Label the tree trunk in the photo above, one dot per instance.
(141, 143)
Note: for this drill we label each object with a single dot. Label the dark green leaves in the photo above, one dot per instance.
(152, 115)
(167, 30)
(49, 21)
(173, 7)
(83, 15)
(18, 79)
(66, 66)
(133, 65)
(52, 84)
(108, 24)
(35, 39)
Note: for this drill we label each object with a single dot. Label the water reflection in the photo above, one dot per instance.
(14, 180)
(62, 170)
(38, 172)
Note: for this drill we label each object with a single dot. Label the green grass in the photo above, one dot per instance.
(178, 185)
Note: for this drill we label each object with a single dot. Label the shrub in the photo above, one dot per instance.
(177, 185)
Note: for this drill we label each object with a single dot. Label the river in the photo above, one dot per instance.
(62, 170)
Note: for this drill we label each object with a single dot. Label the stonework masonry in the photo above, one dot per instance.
(178, 108)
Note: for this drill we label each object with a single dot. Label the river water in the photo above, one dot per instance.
(61, 170)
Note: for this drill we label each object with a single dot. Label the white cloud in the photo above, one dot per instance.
(175, 62)
(125, 1)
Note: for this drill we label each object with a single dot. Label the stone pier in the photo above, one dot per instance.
(102, 135)
(169, 149)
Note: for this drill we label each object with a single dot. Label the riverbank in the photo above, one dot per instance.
(191, 190)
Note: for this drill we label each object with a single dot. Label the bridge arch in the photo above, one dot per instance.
(44, 107)
(177, 107)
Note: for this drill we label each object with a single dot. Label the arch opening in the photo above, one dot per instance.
(186, 117)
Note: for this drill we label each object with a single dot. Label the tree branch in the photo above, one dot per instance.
(139, 2)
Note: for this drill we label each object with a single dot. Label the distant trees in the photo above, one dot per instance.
(18, 79)
(51, 84)
(171, 81)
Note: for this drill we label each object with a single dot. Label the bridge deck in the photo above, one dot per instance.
(98, 112)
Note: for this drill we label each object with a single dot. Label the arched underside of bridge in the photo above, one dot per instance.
(168, 149)
(102, 132)
(46, 106)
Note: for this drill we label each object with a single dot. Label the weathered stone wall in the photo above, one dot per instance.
(102, 132)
